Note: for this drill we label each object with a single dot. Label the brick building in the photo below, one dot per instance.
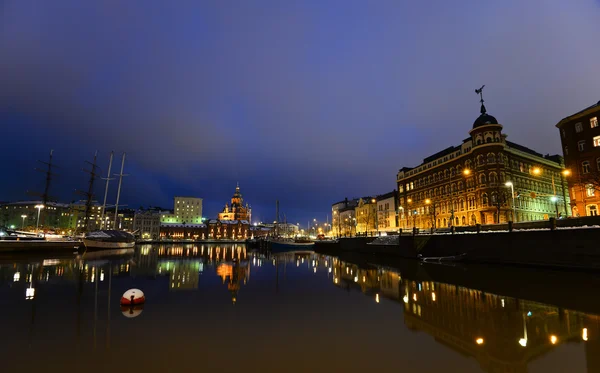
(580, 137)
(470, 183)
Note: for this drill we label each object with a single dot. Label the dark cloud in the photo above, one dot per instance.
(307, 102)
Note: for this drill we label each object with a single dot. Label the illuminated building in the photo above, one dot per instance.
(467, 184)
(147, 223)
(366, 215)
(580, 137)
(186, 210)
(388, 212)
(54, 215)
(237, 210)
(341, 214)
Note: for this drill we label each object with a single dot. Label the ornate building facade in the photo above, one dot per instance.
(237, 210)
(580, 137)
(484, 180)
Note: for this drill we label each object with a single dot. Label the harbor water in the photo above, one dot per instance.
(224, 308)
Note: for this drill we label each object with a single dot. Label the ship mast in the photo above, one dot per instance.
(90, 193)
(49, 174)
(119, 191)
(108, 178)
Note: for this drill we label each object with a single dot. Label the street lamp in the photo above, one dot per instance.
(37, 225)
(23, 223)
(536, 171)
(555, 199)
(466, 172)
(512, 193)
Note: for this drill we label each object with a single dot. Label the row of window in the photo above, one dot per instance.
(586, 166)
(579, 126)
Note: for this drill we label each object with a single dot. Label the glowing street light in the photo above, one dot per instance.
(553, 339)
(536, 171)
(37, 225)
(23, 223)
(479, 341)
(566, 173)
(427, 201)
(466, 172)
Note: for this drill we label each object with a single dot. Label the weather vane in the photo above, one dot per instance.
(480, 93)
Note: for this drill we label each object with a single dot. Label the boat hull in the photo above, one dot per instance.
(280, 247)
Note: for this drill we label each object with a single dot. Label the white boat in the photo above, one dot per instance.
(109, 239)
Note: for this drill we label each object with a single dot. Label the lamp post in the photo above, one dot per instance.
(433, 223)
(512, 193)
(564, 174)
(555, 199)
(37, 225)
(23, 223)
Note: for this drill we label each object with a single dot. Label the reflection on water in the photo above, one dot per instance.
(499, 332)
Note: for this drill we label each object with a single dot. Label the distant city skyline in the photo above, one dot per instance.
(301, 102)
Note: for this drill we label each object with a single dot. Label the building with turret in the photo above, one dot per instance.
(485, 180)
(236, 210)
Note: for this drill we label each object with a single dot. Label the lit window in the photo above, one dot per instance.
(585, 167)
(589, 190)
(596, 141)
(581, 145)
(594, 122)
(578, 127)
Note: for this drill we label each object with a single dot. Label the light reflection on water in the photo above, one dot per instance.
(243, 309)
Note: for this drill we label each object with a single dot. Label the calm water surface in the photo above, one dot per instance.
(224, 309)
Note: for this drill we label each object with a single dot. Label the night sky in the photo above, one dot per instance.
(302, 101)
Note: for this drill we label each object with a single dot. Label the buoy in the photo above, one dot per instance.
(133, 297)
(132, 311)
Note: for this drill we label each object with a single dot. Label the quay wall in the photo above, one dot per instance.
(566, 248)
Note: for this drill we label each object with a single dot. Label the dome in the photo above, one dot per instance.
(484, 119)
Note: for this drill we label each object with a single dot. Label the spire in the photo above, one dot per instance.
(480, 93)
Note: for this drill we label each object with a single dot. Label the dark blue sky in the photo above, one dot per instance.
(302, 101)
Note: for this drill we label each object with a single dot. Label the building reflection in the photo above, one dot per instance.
(503, 334)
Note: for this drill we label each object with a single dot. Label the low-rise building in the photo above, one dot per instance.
(387, 212)
(580, 137)
(146, 224)
(180, 231)
(338, 225)
(366, 215)
(347, 222)
(24, 215)
(227, 229)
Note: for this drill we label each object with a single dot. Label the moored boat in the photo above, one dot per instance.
(289, 244)
(109, 239)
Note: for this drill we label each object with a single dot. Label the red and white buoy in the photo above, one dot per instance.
(133, 297)
(132, 311)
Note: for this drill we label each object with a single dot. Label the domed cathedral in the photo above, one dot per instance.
(236, 210)
(484, 180)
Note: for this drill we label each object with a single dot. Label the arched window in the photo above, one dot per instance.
(452, 171)
(460, 185)
(493, 177)
(429, 179)
(453, 188)
(494, 198)
(438, 223)
(482, 179)
(458, 170)
(446, 189)
(445, 223)
(480, 160)
(457, 223)
(488, 139)
(502, 177)
(445, 174)
(462, 204)
(435, 177)
(464, 221)
(468, 164)
(436, 192)
(491, 158)
(485, 199)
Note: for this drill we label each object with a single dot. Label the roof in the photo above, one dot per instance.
(387, 195)
(444, 152)
(180, 225)
(523, 149)
(483, 120)
(23, 203)
(572, 116)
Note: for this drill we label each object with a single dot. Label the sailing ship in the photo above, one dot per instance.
(278, 244)
(107, 239)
